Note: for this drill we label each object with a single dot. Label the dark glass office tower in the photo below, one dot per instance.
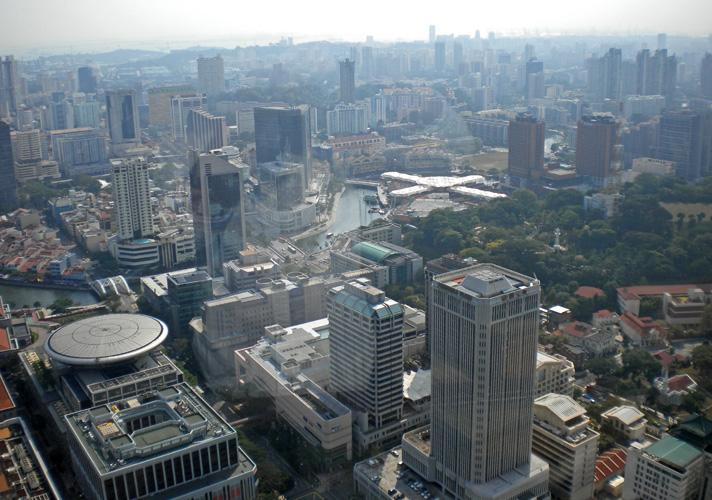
(282, 133)
(680, 140)
(86, 80)
(347, 80)
(8, 183)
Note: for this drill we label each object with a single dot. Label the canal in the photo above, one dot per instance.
(18, 296)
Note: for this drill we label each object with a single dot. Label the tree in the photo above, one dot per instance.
(640, 362)
(702, 359)
(601, 366)
(705, 327)
(651, 306)
(61, 304)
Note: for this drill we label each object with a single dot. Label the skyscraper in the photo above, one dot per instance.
(680, 140)
(534, 79)
(86, 80)
(159, 103)
(485, 322)
(439, 56)
(218, 201)
(132, 198)
(180, 106)
(122, 118)
(596, 148)
(662, 41)
(431, 34)
(366, 342)
(283, 133)
(706, 76)
(605, 75)
(457, 55)
(8, 183)
(366, 62)
(347, 80)
(657, 74)
(204, 131)
(8, 86)
(211, 75)
(526, 149)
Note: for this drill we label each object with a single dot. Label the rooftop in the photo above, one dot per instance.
(6, 402)
(609, 463)
(114, 435)
(105, 339)
(673, 451)
(628, 415)
(372, 251)
(417, 385)
(564, 407)
(485, 280)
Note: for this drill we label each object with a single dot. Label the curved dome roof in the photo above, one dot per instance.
(106, 339)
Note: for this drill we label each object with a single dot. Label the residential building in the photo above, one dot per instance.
(628, 421)
(348, 119)
(283, 134)
(9, 86)
(132, 198)
(563, 438)
(291, 365)
(347, 80)
(642, 106)
(657, 74)
(167, 442)
(669, 468)
(554, 374)
(159, 103)
(86, 113)
(79, 151)
(180, 107)
(672, 390)
(205, 132)
(706, 76)
(596, 149)
(218, 202)
(479, 444)
(526, 149)
(211, 75)
(8, 181)
(492, 131)
(605, 75)
(439, 56)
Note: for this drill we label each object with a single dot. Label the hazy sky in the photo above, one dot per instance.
(87, 24)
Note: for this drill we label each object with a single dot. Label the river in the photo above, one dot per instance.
(18, 296)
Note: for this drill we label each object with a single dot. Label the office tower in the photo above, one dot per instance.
(347, 80)
(680, 140)
(218, 201)
(122, 119)
(282, 134)
(706, 76)
(159, 103)
(596, 148)
(167, 443)
(366, 342)
(366, 62)
(662, 41)
(204, 131)
(8, 183)
(526, 149)
(347, 119)
(534, 79)
(9, 86)
(563, 438)
(439, 56)
(605, 75)
(529, 52)
(86, 80)
(657, 74)
(180, 106)
(211, 75)
(485, 322)
(132, 198)
(431, 34)
(79, 151)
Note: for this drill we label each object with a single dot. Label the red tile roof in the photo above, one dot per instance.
(609, 463)
(589, 292)
(577, 329)
(636, 292)
(664, 357)
(5, 399)
(4, 340)
(603, 313)
(680, 382)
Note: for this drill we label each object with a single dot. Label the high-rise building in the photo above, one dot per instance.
(680, 140)
(563, 438)
(86, 114)
(706, 76)
(204, 131)
(366, 343)
(347, 80)
(457, 55)
(662, 41)
(526, 149)
(439, 56)
(597, 148)
(366, 62)
(283, 134)
(59, 113)
(431, 34)
(605, 75)
(8, 182)
(534, 79)
(348, 119)
(79, 151)
(132, 198)
(211, 75)
(9, 86)
(27, 146)
(180, 106)
(122, 119)
(159, 103)
(657, 74)
(218, 201)
(86, 80)
(485, 322)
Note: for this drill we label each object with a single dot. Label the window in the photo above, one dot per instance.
(160, 478)
(233, 451)
(205, 461)
(150, 480)
(178, 469)
(109, 490)
(223, 454)
(187, 469)
(131, 485)
(196, 464)
(214, 465)
(140, 482)
(168, 465)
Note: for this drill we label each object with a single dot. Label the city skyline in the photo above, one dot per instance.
(183, 26)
